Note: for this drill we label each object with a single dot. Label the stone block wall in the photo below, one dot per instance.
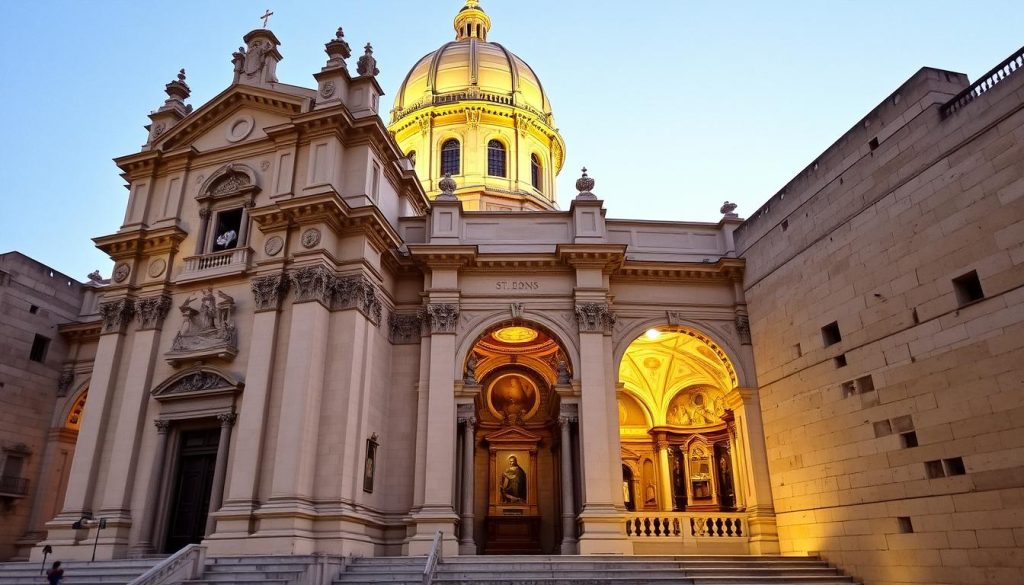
(34, 300)
(892, 388)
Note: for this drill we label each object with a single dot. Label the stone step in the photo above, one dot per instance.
(251, 576)
(205, 581)
(78, 572)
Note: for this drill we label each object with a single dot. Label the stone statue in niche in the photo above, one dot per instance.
(471, 364)
(513, 483)
(206, 330)
(563, 371)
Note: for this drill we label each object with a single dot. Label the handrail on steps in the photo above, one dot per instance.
(432, 560)
(187, 563)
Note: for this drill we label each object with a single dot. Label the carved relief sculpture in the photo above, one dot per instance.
(470, 378)
(594, 318)
(267, 291)
(443, 318)
(404, 329)
(116, 314)
(206, 331)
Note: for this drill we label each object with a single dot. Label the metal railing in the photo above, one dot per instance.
(1000, 72)
(432, 560)
(13, 485)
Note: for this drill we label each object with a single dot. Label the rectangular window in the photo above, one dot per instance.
(906, 526)
(40, 345)
(375, 183)
(909, 439)
(865, 384)
(954, 466)
(226, 229)
(848, 389)
(933, 469)
(840, 360)
(830, 334)
(33, 309)
(968, 288)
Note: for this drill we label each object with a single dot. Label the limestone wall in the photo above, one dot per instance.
(871, 237)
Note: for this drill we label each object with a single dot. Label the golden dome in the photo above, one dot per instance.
(471, 68)
(475, 111)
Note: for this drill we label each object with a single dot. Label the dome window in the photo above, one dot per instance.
(451, 153)
(536, 173)
(496, 158)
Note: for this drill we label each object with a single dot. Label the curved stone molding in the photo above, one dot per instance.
(267, 291)
(116, 315)
(594, 318)
(442, 318)
(151, 311)
(404, 328)
(313, 283)
(196, 382)
(228, 181)
(357, 292)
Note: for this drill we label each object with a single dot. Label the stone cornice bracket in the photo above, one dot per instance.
(151, 311)
(162, 425)
(442, 317)
(313, 283)
(116, 315)
(357, 292)
(594, 318)
(227, 419)
(404, 328)
(267, 291)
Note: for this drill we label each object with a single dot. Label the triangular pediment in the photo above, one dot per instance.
(512, 435)
(238, 114)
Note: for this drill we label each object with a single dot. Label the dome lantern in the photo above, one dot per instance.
(472, 22)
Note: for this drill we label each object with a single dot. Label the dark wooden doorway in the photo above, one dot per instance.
(190, 498)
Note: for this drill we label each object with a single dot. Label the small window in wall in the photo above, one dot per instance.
(40, 345)
(33, 309)
(954, 466)
(375, 183)
(840, 360)
(226, 229)
(451, 155)
(830, 334)
(933, 469)
(906, 526)
(496, 158)
(909, 439)
(536, 172)
(968, 288)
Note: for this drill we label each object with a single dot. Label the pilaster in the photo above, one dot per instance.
(763, 531)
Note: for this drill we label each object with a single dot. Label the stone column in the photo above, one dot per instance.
(603, 532)
(467, 545)
(437, 511)
(85, 467)
(150, 313)
(245, 465)
(147, 539)
(568, 488)
(227, 420)
(665, 471)
(762, 529)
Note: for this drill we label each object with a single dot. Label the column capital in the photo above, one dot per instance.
(469, 421)
(739, 397)
(594, 318)
(162, 425)
(565, 421)
(441, 317)
(313, 283)
(151, 311)
(116, 314)
(268, 291)
(227, 419)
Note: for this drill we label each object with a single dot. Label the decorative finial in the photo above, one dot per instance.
(181, 75)
(367, 65)
(584, 185)
(266, 16)
(472, 3)
(448, 187)
(728, 209)
(177, 91)
(337, 50)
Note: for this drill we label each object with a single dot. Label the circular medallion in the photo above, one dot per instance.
(513, 397)
(310, 237)
(265, 165)
(157, 267)
(240, 128)
(121, 272)
(327, 89)
(273, 245)
(515, 334)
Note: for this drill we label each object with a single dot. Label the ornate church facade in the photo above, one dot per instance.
(327, 333)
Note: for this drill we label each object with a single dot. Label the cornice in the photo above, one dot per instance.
(442, 256)
(607, 257)
(81, 331)
(141, 241)
(725, 269)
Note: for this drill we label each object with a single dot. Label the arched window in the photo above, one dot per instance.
(450, 155)
(536, 173)
(496, 158)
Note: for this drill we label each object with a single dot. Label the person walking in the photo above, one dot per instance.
(56, 574)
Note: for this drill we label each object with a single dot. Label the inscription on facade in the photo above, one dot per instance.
(517, 285)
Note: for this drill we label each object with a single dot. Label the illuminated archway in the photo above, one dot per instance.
(674, 416)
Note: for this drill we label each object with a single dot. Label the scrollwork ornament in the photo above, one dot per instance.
(327, 89)
(162, 425)
(313, 283)
(404, 328)
(227, 419)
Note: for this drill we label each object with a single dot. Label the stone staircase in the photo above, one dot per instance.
(264, 570)
(578, 570)
(78, 572)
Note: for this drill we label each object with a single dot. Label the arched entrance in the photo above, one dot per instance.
(675, 426)
(518, 373)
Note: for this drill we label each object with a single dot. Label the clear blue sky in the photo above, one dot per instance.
(674, 105)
